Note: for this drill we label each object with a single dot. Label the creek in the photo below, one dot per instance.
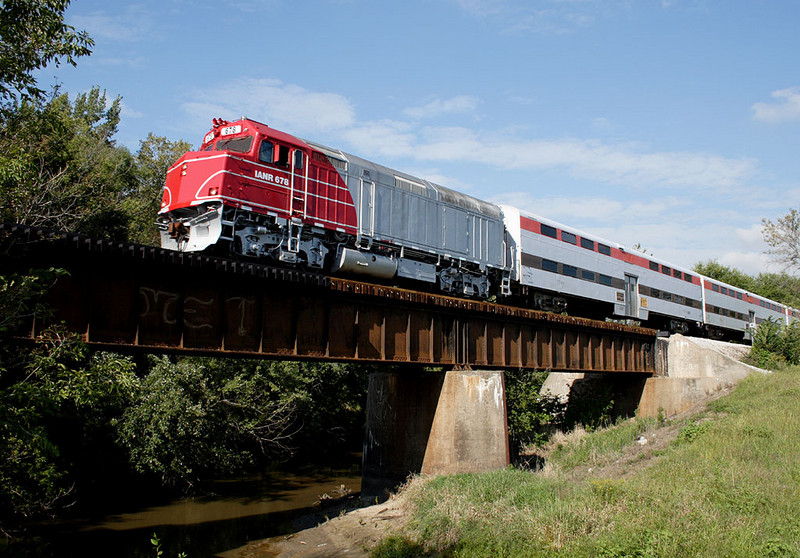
(233, 513)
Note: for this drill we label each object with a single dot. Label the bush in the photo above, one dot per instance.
(530, 412)
(775, 345)
(198, 417)
(201, 417)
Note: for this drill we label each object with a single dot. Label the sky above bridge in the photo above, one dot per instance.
(671, 124)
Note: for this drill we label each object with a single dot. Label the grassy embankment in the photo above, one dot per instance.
(727, 484)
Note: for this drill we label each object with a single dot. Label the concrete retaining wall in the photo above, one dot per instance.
(695, 369)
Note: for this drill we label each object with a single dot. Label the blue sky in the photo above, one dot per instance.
(674, 124)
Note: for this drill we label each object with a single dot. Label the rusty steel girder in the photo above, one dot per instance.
(123, 296)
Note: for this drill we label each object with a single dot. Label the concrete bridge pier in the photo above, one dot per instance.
(432, 423)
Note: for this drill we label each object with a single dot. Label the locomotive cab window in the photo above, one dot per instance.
(273, 154)
(298, 159)
(266, 152)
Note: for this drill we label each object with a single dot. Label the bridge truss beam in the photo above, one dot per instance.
(122, 296)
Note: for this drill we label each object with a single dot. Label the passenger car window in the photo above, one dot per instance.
(569, 237)
(547, 230)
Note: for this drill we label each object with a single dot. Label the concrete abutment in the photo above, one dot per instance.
(433, 423)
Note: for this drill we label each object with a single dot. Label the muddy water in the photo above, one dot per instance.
(237, 512)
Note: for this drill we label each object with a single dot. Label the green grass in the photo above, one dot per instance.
(728, 485)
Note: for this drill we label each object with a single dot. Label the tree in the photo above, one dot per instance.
(783, 238)
(143, 200)
(33, 35)
(202, 417)
(60, 167)
(779, 287)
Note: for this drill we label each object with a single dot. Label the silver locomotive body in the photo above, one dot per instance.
(419, 230)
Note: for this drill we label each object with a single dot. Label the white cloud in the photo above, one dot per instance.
(438, 107)
(128, 112)
(583, 158)
(133, 25)
(284, 106)
(786, 107)
(383, 137)
(481, 8)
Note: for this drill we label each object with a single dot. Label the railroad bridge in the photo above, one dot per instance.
(441, 410)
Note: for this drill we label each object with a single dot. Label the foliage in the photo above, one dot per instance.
(779, 287)
(60, 168)
(197, 418)
(529, 411)
(330, 403)
(142, 200)
(33, 35)
(775, 345)
(55, 407)
(156, 543)
(783, 238)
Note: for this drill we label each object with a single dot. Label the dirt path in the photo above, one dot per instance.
(342, 530)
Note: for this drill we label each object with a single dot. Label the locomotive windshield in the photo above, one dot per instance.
(239, 145)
